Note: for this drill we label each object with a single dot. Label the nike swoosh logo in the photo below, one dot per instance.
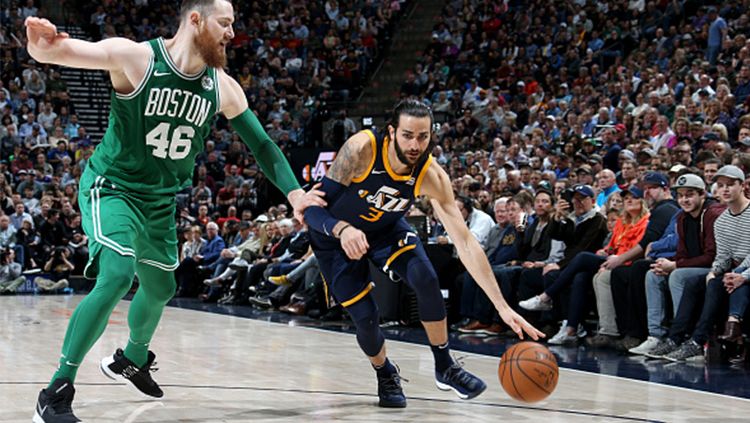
(41, 410)
(377, 172)
(157, 73)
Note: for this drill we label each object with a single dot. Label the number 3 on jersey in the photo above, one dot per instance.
(177, 147)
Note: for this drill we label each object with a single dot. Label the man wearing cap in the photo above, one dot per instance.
(645, 156)
(584, 175)
(607, 182)
(595, 161)
(674, 172)
(728, 276)
(627, 282)
(583, 230)
(29, 179)
(696, 249)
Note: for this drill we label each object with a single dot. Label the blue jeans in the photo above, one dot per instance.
(656, 295)
(301, 270)
(219, 266)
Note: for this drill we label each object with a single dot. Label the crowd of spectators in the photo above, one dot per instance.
(568, 122)
(597, 103)
(297, 62)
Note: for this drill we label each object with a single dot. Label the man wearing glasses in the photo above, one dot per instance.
(683, 153)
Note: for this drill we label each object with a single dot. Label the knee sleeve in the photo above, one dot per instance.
(421, 276)
(367, 320)
(159, 284)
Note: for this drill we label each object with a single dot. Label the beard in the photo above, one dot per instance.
(405, 159)
(210, 51)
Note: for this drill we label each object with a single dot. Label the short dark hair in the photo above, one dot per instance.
(545, 191)
(410, 107)
(713, 160)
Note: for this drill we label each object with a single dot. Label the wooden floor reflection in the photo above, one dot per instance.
(216, 368)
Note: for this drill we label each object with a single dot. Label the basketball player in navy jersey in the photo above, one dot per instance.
(369, 187)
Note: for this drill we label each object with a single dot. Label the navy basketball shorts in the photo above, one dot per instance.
(348, 280)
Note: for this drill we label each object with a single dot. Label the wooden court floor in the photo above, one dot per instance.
(217, 368)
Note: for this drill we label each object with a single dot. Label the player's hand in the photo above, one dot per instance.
(300, 200)
(518, 324)
(42, 34)
(354, 242)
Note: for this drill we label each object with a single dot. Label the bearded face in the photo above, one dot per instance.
(411, 157)
(211, 49)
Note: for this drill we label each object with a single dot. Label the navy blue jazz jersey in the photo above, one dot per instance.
(379, 197)
(375, 203)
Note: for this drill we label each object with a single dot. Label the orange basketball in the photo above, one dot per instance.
(528, 372)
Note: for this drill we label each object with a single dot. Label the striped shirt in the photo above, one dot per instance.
(732, 242)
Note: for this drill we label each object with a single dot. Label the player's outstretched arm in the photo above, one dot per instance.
(437, 187)
(46, 45)
(268, 155)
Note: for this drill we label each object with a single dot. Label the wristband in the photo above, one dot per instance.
(338, 235)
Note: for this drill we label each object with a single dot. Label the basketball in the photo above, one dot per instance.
(528, 372)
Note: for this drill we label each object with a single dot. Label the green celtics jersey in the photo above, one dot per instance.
(156, 131)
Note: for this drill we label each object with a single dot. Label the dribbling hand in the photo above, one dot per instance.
(518, 324)
(354, 242)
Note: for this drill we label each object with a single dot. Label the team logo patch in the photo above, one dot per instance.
(207, 83)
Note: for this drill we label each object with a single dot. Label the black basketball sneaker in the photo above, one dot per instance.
(54, 403)
(119, 366)
(390, 394)
(463, 383)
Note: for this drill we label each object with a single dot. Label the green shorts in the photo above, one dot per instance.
(130, 224)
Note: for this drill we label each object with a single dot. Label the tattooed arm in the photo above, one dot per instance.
(352, 160)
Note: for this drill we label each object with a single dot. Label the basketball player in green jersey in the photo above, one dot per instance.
(166, 93)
